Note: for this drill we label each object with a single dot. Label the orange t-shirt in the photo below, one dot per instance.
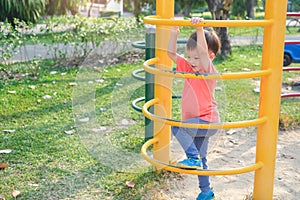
(198, 94)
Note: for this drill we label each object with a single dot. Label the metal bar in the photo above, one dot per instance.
(157, 20)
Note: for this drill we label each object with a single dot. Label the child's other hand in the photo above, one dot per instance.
(196, 20)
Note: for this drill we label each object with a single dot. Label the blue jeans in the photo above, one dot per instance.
(195, 144)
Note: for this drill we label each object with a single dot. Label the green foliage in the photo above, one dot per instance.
(238, 8)
(10, 38)
(295, 5)
(193, 5)
(58, 33)
(24, 10)
(140, 8)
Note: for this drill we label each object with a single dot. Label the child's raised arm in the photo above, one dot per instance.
(202, 44)
(172, 48)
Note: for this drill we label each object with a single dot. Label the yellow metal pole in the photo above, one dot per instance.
(162, 84)
(272, 58)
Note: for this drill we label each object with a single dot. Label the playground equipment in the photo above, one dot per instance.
(149, 46)
(291, 69)
(292, 51)
(270, 74)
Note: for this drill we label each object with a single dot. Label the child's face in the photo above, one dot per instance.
(194, 59)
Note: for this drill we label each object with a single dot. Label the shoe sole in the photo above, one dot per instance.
(188, 167)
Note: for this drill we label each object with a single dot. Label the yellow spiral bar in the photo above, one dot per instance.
(223, 76)
(157, 20)
(169, 167)
(225, 125)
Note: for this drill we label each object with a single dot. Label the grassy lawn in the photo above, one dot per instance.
(74, 135)
(48, 163)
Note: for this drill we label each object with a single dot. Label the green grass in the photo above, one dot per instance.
(47, 163)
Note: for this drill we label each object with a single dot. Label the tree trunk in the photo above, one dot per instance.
(187, 8)
(250, 8)
(90, 8)
(137, 9)
(64, 7)
(220, 11)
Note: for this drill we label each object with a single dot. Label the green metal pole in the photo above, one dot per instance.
(149, 78)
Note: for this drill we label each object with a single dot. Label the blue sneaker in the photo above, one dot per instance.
(193, 163)
(206, 196)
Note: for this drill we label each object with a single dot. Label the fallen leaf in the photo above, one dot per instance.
(47, 97)
(124, 122)
(218, 89)
(32, 87)
(257, 90)
(96, 69)
(63, 74)
(130, 184)
(70, 132)
(72, 84)
(99, 80)
(86, 119)
(11, 92)
(3, 165)
(287, 156)
(15, 193)
(231, 131)
(53, 72)
(243, 56)
(255, 107)
(102, 128)
(5, 151)
(234, 142)
(9, 131)
(33, 184)
(246, 69)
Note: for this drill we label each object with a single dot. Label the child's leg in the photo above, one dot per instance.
(202, 146)
(186, 141)
(185, 137)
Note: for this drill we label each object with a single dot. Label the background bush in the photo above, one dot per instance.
(24, 10)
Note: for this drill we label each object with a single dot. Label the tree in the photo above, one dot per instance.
(25, 10)
(136, 6)
(295, 5)
(250, 8)
(188, 5)
(61, 7)
(90, 8)
(220, 11)
(239, 8)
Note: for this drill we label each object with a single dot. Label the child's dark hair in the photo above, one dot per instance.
(212, 40)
